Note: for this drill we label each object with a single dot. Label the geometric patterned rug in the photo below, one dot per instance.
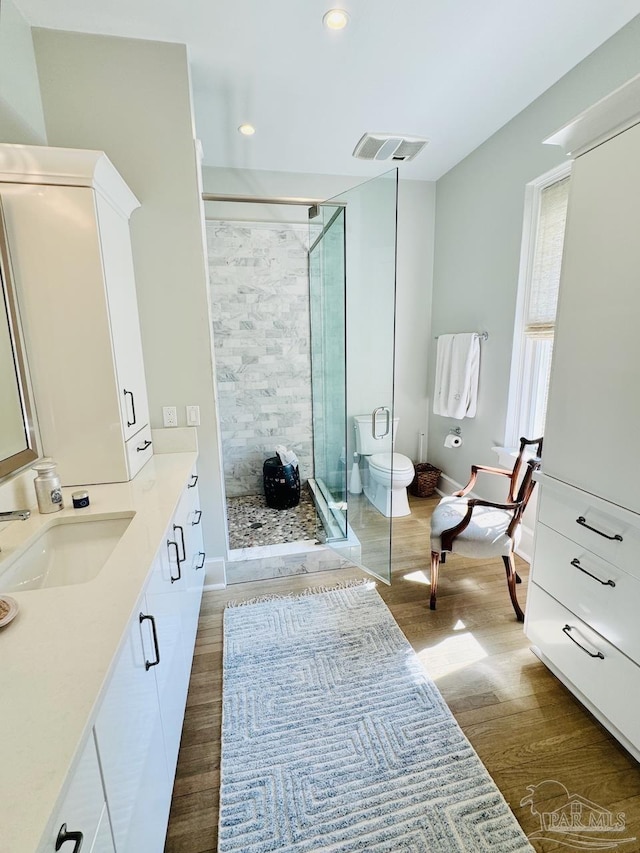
(335, 739)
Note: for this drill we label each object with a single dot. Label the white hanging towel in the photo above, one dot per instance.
(457, 369)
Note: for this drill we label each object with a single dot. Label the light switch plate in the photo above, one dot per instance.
(170, 416)
(193, 415)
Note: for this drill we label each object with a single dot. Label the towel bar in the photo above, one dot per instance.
(484, 336)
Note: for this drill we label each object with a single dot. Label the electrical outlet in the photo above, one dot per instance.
(170, 416)
(193, 415)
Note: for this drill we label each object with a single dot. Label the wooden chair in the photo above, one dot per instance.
(484, 529)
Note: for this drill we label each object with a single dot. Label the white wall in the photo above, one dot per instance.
(416, 211)
(477, 246)
(21, 116)
(132, 99)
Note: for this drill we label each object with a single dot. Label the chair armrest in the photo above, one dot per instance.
(475, 469)
(478, 502)
(447, 536)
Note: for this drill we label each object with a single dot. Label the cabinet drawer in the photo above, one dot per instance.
(560, 508)
(601, 594)
(610, 681)
(139, 450)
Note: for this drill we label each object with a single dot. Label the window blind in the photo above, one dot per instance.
(547, 260)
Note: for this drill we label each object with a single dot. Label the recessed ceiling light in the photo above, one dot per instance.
(247, 129)
(336, 19)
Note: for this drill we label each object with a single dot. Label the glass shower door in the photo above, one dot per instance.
(353, 281)
(328, 374)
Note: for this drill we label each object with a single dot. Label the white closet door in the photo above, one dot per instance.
(594, 399)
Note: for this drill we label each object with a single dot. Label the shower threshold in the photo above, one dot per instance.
(330, 516)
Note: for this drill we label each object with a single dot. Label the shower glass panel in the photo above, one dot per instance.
(354, 360)
(328, 356)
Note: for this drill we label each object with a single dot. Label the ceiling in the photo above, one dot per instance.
(453, 71)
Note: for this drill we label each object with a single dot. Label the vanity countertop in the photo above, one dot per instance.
(56, 655)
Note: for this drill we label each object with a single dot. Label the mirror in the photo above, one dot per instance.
(17, 433)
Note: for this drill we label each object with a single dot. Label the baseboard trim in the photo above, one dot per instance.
(215, 575)
(447, 486)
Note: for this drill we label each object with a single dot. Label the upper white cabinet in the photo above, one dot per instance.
(593, 398)
(67, 219)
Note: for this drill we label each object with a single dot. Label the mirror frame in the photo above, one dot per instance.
(11, 464)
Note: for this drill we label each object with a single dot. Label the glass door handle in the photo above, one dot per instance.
(373, 422)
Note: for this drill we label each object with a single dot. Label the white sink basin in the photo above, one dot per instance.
(69, 552)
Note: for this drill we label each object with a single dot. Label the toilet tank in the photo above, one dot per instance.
(366, 444)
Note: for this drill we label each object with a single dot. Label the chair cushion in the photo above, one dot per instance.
(486, 534)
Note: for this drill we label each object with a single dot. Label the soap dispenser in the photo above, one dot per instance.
(48, 487)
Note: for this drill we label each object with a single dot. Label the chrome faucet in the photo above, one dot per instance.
(15, 515)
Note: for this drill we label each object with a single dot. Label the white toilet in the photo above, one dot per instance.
(387, 474)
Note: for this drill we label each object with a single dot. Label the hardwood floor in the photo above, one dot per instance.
(525, 726)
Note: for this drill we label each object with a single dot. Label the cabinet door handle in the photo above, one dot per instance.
(64, 835)
(583, 521)
(170, 542)
(184, 550)
(148, 664)
(133, 408)
(198, 513)
(144, 446)
(567, 631)
(194, 478)
(576, 562)
(203, 555)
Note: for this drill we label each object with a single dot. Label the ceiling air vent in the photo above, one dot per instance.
(389, 146)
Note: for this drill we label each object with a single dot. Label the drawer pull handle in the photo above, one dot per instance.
(130, 423)
(201, 564)
(194, 478)
(144, 446)
(583, 521)
(184, 547)
(149, 664)
(198, 516)
(171, 542)
(64, 836)
(576, 562)
(567, 631)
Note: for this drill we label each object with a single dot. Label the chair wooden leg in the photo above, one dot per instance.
(435, 564)
(510, 566)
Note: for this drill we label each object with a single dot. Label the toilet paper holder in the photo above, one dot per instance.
(453, 439)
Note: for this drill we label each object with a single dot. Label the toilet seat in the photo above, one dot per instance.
(386, 462)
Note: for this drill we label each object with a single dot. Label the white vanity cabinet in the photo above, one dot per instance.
(585, 579)
(139, 723)
(82, 821)
(67, 218)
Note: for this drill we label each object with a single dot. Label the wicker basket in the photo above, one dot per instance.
(425, 481)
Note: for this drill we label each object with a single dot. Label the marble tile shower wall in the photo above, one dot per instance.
(260, 315)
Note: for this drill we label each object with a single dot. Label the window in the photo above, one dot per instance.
(541, 257)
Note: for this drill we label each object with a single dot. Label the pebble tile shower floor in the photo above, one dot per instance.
(252, 522)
